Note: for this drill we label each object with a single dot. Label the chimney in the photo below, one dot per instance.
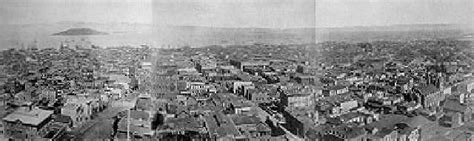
(30, 107)
(461, 98)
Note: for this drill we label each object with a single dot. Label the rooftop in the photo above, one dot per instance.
(218, 125)
(187, 123)
(244, 119)
(454, 105)
(32, 117)
(427, 89)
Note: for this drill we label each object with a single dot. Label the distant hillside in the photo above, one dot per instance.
(79, 32)
(394, 32)
(194, 35)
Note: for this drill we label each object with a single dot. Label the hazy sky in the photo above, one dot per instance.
(51, 11)
(331, 13)
(241, 13)
(230, 13)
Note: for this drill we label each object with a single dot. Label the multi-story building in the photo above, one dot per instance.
(80, 109)
(26, 122)
(296, 100)
(335, 90)
(305, 79)
(138, 124)
(429, 97)
(242, 65)
(456, 112)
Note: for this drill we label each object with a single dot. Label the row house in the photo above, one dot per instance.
(335, 90)
(263, 95)
(242, 65)
(305, 79)
(238, 85)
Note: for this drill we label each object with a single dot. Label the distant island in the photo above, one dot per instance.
(79, 32)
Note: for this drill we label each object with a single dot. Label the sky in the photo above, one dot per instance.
(52, 11)
(337, 13)
(231, 13)
(241, 13)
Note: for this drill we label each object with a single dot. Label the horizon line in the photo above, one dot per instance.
(244, 27)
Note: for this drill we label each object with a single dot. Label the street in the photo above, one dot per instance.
(101, 126)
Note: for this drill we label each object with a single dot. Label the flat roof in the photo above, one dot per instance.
(31, 117)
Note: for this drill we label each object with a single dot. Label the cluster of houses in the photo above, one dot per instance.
(60, 89)
(300, 100)
(260, 92)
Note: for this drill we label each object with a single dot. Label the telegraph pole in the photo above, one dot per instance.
(128, 125)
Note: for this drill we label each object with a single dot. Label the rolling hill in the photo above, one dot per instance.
(79, 32)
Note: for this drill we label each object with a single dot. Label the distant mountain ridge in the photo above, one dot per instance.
(79, 32)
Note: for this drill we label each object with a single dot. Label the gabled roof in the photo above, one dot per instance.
(427, 89)
(263, 127)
